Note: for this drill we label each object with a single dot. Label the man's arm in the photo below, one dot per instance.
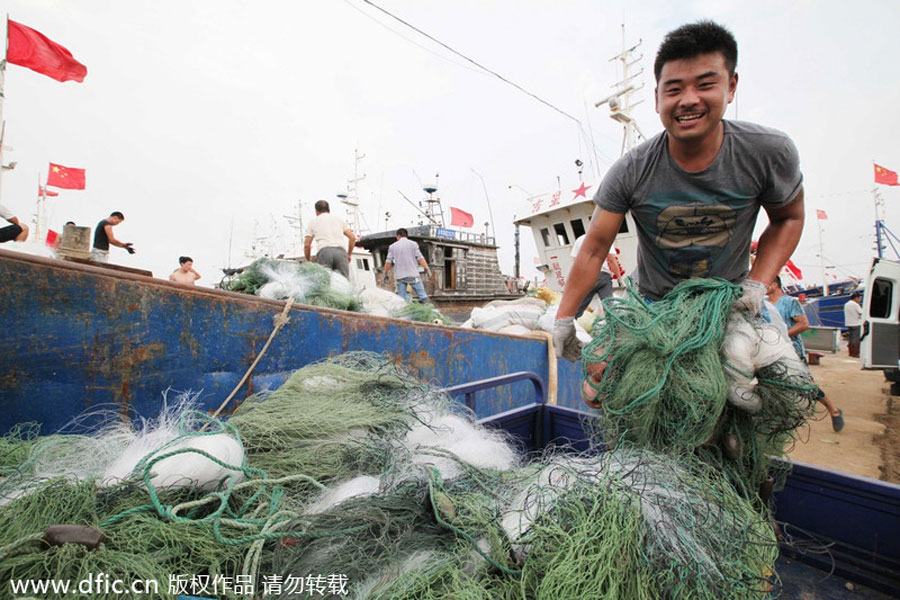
(172, 275)
(594, 250)
(801, 324)
(196, 274)
(112, 238)
(307, 247)
(425, 266)
(777, 242)
(352, 239)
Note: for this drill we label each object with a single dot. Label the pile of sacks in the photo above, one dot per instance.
(524, 315)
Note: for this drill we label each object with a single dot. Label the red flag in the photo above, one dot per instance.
(793, 269)
(52, 236)
(461, 218)
(820, 214)
(42, 191)
(31, 48)
(885, 176)
(65, 177)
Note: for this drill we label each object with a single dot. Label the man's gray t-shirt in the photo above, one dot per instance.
(404, 254)
(700, 224)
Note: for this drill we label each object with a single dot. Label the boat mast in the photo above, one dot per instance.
(351, 198)
(433, 209)
(879, 223)
(620, 101)
(822, 260)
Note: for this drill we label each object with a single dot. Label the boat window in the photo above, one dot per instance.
(577, 227)
(545, 235)
(882, 295)
(561, 236)
(362, 264)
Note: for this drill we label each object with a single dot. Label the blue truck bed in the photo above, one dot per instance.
(78, 336)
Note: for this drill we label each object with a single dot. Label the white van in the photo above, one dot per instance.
(880, 337)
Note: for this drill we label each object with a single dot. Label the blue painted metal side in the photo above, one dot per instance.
(77, 337)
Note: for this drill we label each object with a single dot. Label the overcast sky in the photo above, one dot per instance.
(206, 121)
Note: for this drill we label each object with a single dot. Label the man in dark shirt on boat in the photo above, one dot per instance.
(16, 231)
(695, 189)
(103, 237)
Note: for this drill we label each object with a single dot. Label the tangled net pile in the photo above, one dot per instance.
(306, 282)
(666, 383)
(354, 468)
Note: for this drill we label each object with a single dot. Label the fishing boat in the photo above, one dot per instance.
(465, 266)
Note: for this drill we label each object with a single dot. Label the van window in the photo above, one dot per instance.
(882, 295)
(561, 235)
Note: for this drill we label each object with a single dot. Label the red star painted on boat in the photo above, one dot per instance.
(582, 191)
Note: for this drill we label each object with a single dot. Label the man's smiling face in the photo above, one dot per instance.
(692, 95)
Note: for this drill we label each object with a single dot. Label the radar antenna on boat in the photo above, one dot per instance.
(433, 210)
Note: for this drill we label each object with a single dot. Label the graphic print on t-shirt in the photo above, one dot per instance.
(690, 236)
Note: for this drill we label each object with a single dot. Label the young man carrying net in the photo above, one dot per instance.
(694, 190)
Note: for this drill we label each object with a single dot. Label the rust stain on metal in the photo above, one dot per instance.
(190, 342)
(421, 360)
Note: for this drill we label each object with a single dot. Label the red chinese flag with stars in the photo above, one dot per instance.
(30, 48)
(885, 176)
(461, 218)
(65, 177)
(52, 236)
(820, 214)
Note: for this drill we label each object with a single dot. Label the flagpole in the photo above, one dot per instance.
(2, 96)
(822, 258)
(42, 199)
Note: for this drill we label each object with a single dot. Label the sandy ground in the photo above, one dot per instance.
(869, 444)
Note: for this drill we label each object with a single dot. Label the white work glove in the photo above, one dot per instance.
(739, 352)
(751, 300)
(564, 339)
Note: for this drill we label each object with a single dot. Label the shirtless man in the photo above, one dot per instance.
(185, 273)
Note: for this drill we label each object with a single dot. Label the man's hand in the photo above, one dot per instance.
(564, 339)
(751, 300)
(129, 248)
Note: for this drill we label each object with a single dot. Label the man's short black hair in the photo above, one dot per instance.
(70, 222)
(184, 259)
(855, 295)
(694, 39)
(402, 232)
(117, 213)
(322, 206)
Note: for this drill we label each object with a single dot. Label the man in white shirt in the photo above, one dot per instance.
(853, 320)
(329, 231)
(404, 254)
(15, 231)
